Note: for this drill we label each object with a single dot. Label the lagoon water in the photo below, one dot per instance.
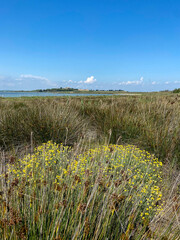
(45, 94)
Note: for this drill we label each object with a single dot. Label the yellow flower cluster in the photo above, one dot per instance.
(138, 173)
(130, 173)
(41, 164)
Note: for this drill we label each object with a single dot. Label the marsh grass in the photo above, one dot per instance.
(43, 119)
(92, 191)
(110, 192)
(151, 122)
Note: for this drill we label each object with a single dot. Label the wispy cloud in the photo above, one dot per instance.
(154, 82)
(138, 82)
(42, 80)
(25, 82)
(32, 77)
(175, 82)
(7, 82)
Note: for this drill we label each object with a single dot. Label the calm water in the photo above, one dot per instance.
(45, 94)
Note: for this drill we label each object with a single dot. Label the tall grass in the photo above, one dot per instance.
(44, 119)
(150, 122)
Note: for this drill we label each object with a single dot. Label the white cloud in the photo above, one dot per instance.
(176, 81)
(167, 82)
(90, 80)
(138, 82)
(153, 83)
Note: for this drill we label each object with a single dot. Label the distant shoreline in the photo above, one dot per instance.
(104, 92)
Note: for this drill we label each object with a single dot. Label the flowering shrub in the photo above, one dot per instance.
(110, 192)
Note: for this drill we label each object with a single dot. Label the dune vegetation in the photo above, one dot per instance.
(90, 167)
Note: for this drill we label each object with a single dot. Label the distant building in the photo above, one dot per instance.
(83, 89)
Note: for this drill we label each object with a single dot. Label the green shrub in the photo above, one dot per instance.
(177, 90)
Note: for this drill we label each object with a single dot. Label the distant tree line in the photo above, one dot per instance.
(57, 89)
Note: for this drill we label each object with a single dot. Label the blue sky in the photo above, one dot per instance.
(132, 45)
